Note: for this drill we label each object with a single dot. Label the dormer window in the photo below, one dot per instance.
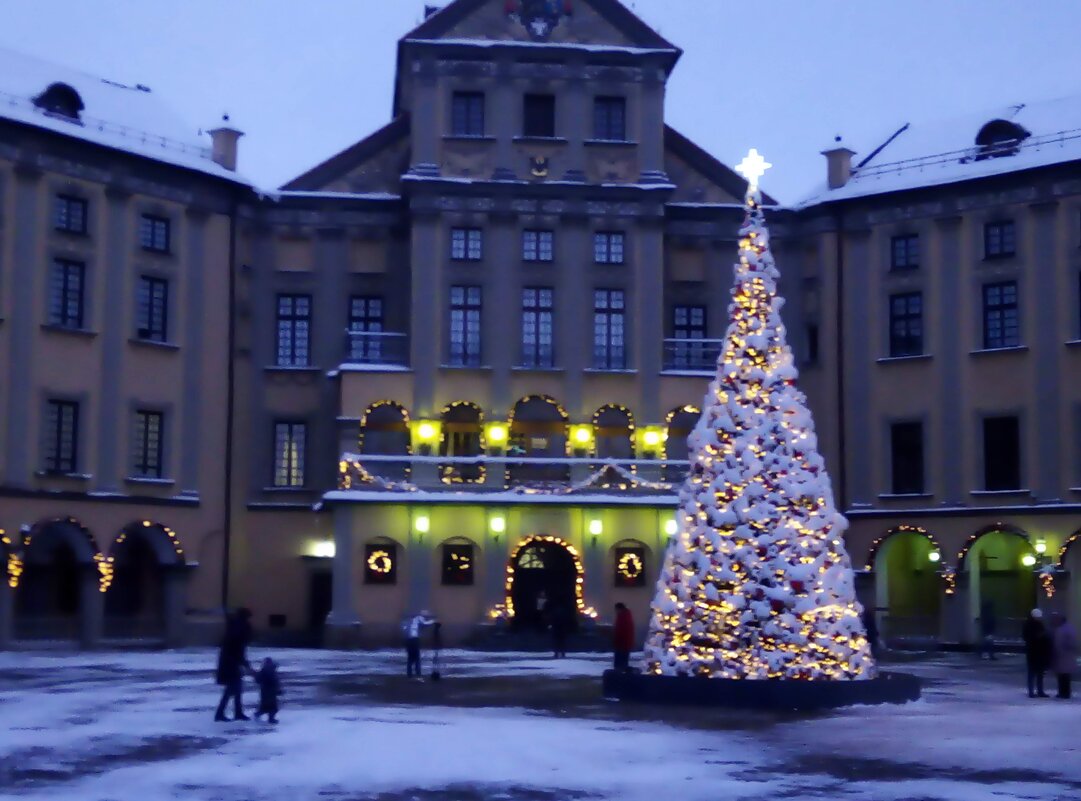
(60, 100)
(999, 138)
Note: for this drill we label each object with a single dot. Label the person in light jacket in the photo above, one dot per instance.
(412, 629)
(1064, 660)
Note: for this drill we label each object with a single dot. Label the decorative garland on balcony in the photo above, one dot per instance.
(352, 475)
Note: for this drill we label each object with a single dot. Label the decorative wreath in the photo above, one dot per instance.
(380, 562)
(630, 566)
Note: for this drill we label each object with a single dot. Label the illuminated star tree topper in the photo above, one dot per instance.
(756, 583)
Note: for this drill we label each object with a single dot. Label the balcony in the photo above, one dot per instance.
(376, 350)
(693, 356)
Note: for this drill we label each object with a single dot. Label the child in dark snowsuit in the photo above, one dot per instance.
(270, 687)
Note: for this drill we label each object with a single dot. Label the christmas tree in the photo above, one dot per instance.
(756, 582)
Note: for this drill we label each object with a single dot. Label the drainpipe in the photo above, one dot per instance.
(842, 469)
(227, 526)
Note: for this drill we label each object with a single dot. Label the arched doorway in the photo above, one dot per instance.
(59, 569)
(681, 423)
(998, 579)
(144, 559)
(613, 431)
(384, 431)
(545, 579)
(538, 430)
(462, 432)
(908, 588)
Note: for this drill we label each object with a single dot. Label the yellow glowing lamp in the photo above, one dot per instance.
(422, 524)
(934, 556)
(427, 431)
(582, 435)
(671, 527)
(1040, 546)
(596, 527)
(497, 434)
(1028, 560)
(498, 524)
(324, 550)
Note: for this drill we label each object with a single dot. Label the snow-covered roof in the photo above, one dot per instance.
(113, 114)
(918, 154)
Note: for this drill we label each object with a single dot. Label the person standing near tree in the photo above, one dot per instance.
(1064, 654)
(1037, 652)
(623, 638)
(232, 662)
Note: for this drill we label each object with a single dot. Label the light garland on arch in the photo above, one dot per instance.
(450, 473)
(872, 552)
(505, 610)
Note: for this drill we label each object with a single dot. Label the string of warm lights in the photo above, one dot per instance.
(757, 583)
(505, 610)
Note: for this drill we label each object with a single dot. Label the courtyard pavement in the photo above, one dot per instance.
(509, 727)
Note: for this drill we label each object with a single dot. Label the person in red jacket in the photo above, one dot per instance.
(623, 638)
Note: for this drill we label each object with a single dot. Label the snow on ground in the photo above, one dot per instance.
(513, 727)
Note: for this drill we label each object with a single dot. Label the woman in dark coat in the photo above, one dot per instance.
(623, 638)
(1037, 652)
(232, 662)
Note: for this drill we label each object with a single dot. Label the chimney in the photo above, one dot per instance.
(838, 164)
(224, 140)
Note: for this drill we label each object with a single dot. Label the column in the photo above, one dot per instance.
(7, 609)
(500, 117)
(427, 322)
(651, 127)
(426, 128)
(593, 549)
(577, 117)
(174, 580)
(647, 324)
(419, 555)
(496, 553)
(27, 296)
(116, 297)
(1045, 479)
(502, 305)
(860, 359)
(574, 308)
(91, 606)
(195, 318)
(343, 624)
(958, 625)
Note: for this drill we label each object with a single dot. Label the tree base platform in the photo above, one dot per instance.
(886, 688)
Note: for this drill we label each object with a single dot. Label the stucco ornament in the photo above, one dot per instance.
(539, 17)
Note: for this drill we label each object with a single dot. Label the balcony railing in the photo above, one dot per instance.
(692, 355)
(376, 348)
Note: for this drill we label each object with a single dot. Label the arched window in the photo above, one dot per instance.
(538, 429)
(462, 427)
(613, 429)
(61, 100)
(1000, 138)
(384, 430)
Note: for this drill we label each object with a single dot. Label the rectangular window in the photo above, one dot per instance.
(66, 293)
(537, 245)
(61, 436)
(537, 327)
(146, 455)
(906, 455)
(906, 324)
(154, 233)
(539, 115)
(294, 330)
(999, 239)
(458, 565)
(289, 442)
(152, 309)
(609, 350)
(905, 252)
(608, 247)
(69, 214)
(380, 563)
(688, 331)
(366, 324)
(465, 309)
(467, 114)
(1001, 453)
(1001, 325)
(466, 244)
(610, 119)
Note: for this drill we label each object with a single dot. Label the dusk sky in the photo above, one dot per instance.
(305, 80)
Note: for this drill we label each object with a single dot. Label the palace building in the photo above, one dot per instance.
(454, 366)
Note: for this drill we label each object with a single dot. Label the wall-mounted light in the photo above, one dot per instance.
(651, 440)
(422, 524)
(1041, 546)
(497, 524)
(1028, 560)
(497, 433)
(934, 556)
(671, 527)
(324, 549)
(596, 527)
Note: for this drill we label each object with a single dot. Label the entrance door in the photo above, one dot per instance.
(320, 600)
(544, 584)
